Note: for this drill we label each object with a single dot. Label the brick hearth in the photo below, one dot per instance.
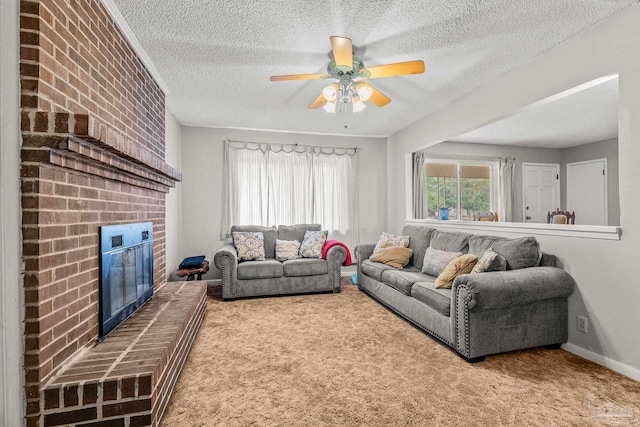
(93, 154)
(127, 379)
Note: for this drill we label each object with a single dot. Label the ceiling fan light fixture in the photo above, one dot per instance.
(358, 105)
(330, 107)
(330, 92)
(364, 91)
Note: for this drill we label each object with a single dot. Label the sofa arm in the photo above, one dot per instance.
(364, 252)
(226, 259)
(503, 289)
(336, 256)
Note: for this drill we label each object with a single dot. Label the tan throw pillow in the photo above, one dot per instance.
(394, 256)
(461, 265)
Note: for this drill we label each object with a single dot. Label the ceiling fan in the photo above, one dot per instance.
(351, 74)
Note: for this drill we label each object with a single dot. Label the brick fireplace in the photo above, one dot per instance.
(92, 121)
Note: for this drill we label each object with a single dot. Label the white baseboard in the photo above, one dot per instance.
(607, 362)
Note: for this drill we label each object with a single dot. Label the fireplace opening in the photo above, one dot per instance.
(126, 272)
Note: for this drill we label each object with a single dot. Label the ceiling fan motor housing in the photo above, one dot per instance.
(357, 70)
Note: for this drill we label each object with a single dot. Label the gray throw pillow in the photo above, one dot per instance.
(519, 253)
(435, 261)
(312, 244)
(249, 245)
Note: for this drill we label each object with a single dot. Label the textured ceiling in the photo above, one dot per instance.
(216, 56)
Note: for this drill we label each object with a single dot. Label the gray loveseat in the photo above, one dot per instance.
(483, 313)
(272, 277)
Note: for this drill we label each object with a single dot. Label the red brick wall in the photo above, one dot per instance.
(92, 155)
(74, 59)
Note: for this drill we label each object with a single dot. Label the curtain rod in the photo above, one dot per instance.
(446, 156)
(295, 144)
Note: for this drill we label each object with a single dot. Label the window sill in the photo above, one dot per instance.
(581, 231)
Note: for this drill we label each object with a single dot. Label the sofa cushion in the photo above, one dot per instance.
(270, 235)
(435, 261)
(305, 267)
(438, 299)
(374, 269)
(267, 269)
(519, 253)
(402, 280)
(287, 249)
(419, 238)
(450, 242)
(395, 256)
(311, 246)
(249, 245)
(461, 265)
(479, 244)
(296, 232)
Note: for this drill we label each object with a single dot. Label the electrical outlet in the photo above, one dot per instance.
(582, 324)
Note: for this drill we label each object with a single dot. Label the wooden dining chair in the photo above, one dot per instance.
(561, 217)
(485, 216)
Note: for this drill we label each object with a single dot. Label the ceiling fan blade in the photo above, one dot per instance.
(397, 69)
(342, 52)
(299, 77)
(318, 102)
(378, 98)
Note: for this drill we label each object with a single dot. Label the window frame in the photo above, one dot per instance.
(494, 176)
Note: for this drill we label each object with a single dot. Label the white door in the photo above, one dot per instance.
(587, 191)
(541, 190)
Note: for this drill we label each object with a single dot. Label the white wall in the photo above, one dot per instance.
(202, 155)
(12, 403)
(173, 217)
(605, 271)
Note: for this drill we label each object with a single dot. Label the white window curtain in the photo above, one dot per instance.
(506, 189)
(275, 184)
(419, 187)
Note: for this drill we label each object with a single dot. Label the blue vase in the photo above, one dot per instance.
(444, 213)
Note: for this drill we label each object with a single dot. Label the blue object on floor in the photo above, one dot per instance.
(354, 279)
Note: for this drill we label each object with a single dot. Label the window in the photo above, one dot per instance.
(273, 184)
(464, 188)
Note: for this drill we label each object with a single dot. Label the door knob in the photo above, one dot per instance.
(528, 217)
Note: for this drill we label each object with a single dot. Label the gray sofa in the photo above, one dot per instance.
(272, 277)
(483, 313)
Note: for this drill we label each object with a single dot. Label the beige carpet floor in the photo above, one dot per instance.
(344, 360)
